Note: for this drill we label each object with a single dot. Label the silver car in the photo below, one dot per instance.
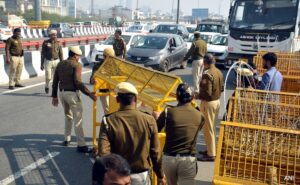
(159, 51)
(63, 29)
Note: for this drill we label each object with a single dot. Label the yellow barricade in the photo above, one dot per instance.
(155, 88)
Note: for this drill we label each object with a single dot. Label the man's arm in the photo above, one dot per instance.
(61, 55)
(43, 55)
(190, 52)
(264, 82)
(161, 121)
(103, 141)
(125, 50)
(80, 85)
(7, 47)
(55, 83)
(155, 151)
(205, 87)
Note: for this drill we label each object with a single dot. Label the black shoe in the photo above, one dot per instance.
(83, 149)
(46, 90)
(66, 143)
(11, 87)
(19, 85)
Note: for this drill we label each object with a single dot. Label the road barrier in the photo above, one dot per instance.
(289, 66)
(259, 143)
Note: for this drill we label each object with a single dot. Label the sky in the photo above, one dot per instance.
(166, 5)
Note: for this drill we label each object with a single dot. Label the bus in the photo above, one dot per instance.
(268, 25)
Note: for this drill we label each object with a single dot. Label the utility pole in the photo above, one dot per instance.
(92, 7)
(178, 5)
(37, 13)
(137, 10)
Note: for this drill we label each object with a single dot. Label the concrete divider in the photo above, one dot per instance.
(32, 63)
(28, 33)
(23, 34)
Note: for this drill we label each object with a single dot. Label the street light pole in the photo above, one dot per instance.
(38, 15)
(178, 5)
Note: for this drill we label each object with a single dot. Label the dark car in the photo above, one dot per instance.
(159, 51)
(63, 29)
(172, 29)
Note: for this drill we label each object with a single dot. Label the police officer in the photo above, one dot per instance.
(211, 87)
(119, 44)
(197, 51)
(182, 124)
(14, 58)
(68, 76)
(104, 99)
(50, 56)
(133, 135)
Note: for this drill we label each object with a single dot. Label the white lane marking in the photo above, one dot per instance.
(34, 85)
(59, 171)
(28, 169)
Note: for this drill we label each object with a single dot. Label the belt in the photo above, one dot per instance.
(180, 155)
(14, 55)
(52, 58)
(139, 171)
(72, 90)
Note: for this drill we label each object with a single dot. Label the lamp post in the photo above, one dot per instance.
(178, 5)
(38, 15)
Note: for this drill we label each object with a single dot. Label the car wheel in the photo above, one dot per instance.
(164, 66)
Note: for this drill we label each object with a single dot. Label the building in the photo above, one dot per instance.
(59, 7)
(13, 6)
(72, 8)
(126, 3)
(200, 13)
(116, 11)
(2, 5)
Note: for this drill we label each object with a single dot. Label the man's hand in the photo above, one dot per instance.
(93, 96)
(7, 60)
(42, 67)
(162, 181)
(156, 114)
(55, 102)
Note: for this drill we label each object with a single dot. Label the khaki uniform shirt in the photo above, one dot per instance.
(133, 135)
(197, 50)
(120, 47)
(51, 50)
(212, 84)
(182, 124)
(14, 45)
(67, 78)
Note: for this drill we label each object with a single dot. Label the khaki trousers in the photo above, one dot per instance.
(50, 66)
(15, 71)
(180, 170)
(197, 70)
(140, 178)
(210, 109)
(71, 102)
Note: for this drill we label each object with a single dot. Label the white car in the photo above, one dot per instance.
(219, 49)
(208, 37)
(97, 53)
(5, 32)
(139, 28)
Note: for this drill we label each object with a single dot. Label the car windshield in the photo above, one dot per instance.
(55, 25)
(111, 39)
(220, 40)
(209, 28)
(166, 29)
(135, 28)
(190, 29)
(151, 42)
(2, 26)
(264, 14)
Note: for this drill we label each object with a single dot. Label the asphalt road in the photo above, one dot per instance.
(31, 132)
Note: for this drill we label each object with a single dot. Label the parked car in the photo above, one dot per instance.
(5, 32)
(97, 53)
(159, 51)
(63, 29)
(172, 29)
(139, 28)
(208, 37)
(219, 49)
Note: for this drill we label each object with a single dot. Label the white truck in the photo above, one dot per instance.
(269, 25)
(13, 21)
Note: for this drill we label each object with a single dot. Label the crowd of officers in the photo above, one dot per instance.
(128, 139)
